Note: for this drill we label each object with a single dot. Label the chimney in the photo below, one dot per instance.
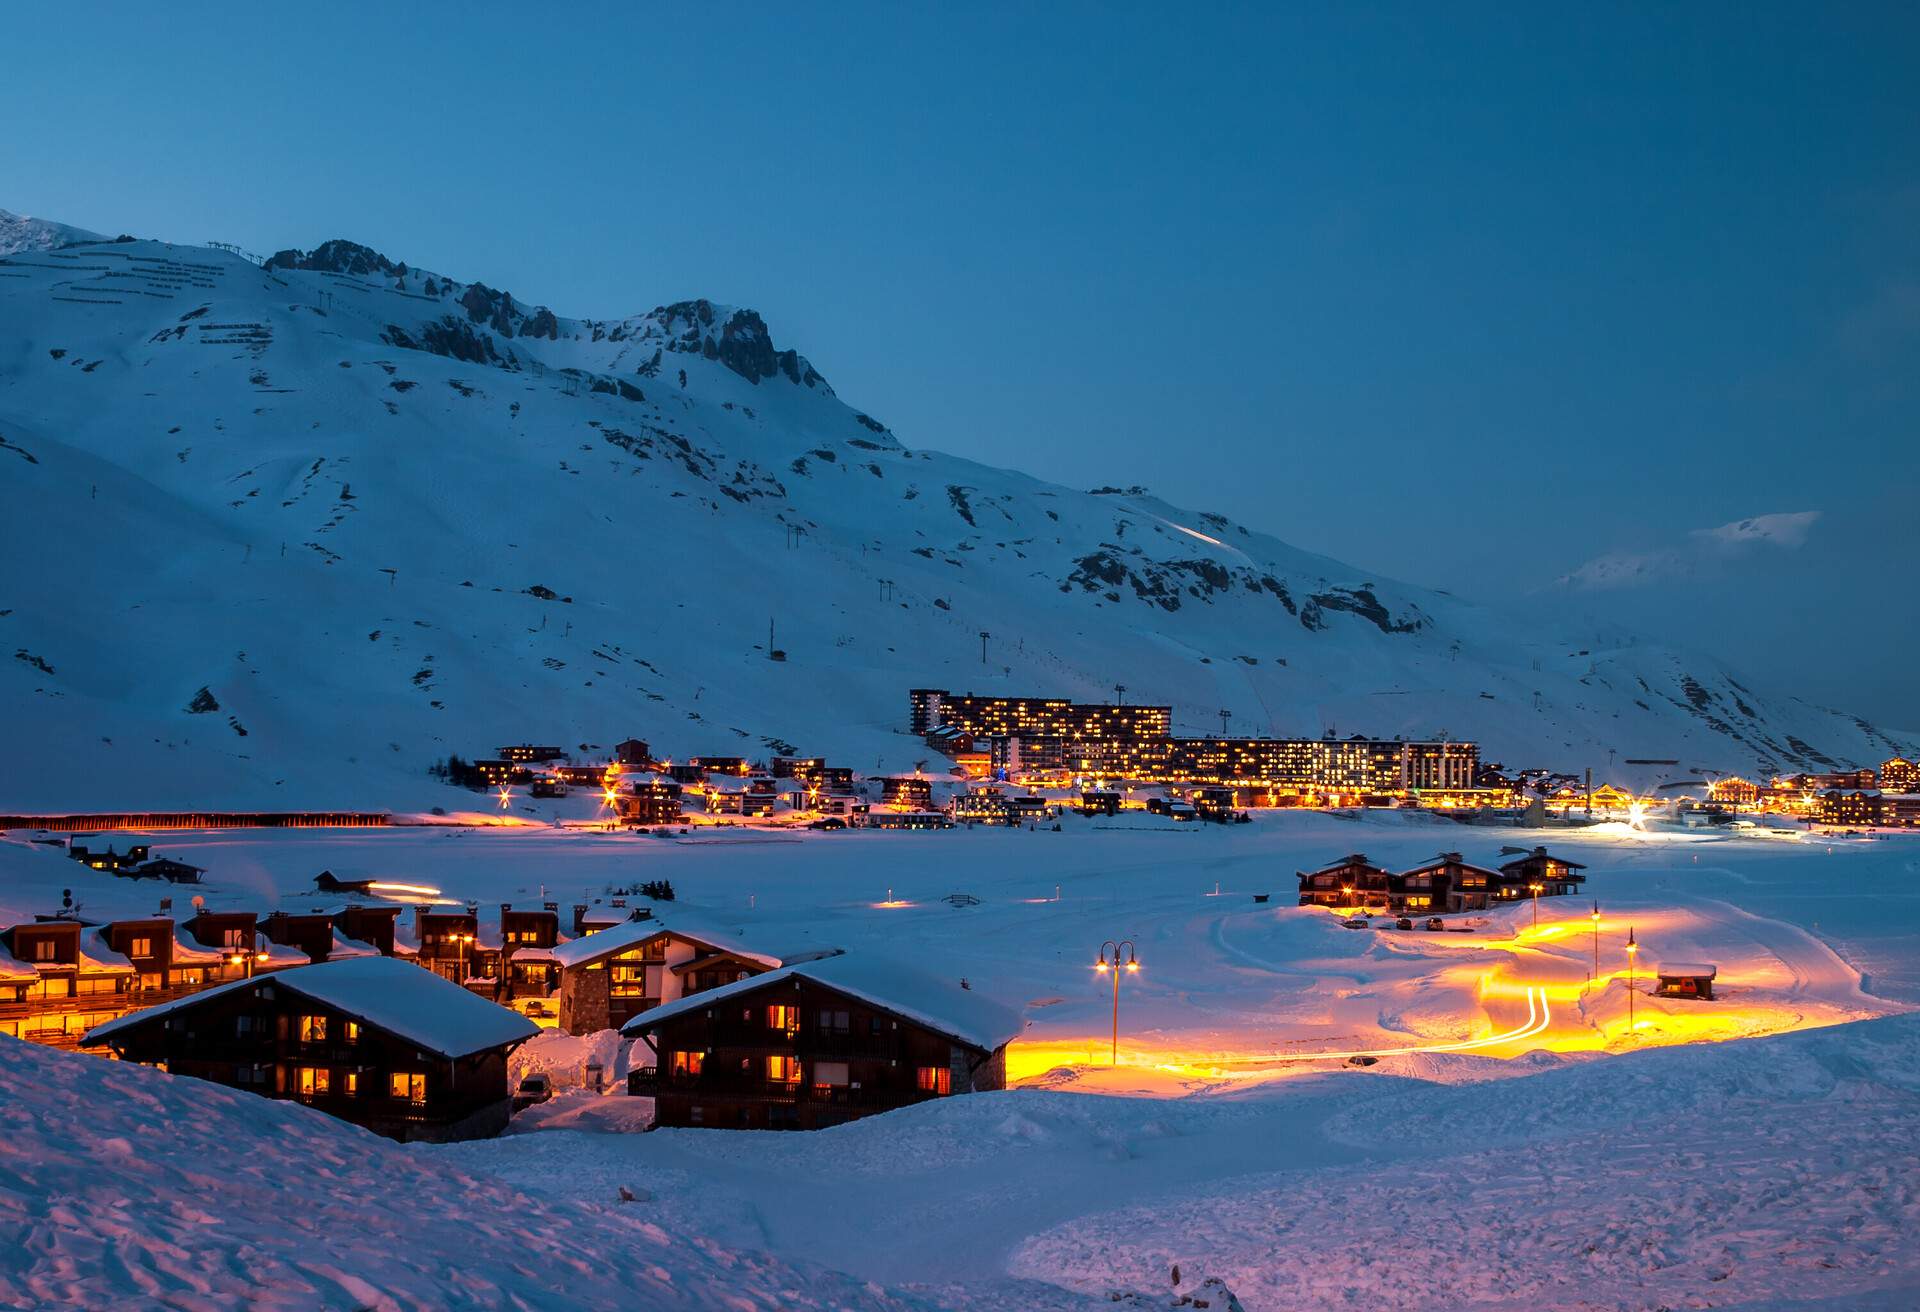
(579, 918)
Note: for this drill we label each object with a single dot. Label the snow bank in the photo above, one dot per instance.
(174, 1193)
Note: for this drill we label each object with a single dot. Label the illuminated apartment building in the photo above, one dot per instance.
(1899, 775)
(1442, 766)
(1056, 717)
(1734, 791)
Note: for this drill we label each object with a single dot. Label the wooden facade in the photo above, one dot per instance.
(286, 1036)
(789, 1052)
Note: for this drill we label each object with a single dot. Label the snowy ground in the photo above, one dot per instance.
(1580, 1163)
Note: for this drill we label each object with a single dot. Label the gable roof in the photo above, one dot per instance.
(434, 1014)
(939, 1004)
(685, 924)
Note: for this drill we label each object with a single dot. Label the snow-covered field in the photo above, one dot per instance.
(1577, 1163)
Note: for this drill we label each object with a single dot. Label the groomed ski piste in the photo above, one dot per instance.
(1511, 1140)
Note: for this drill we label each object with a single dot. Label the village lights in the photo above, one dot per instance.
(1112, 963)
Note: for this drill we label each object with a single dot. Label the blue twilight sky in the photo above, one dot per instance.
(1585, 280)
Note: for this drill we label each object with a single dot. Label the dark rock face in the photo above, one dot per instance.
(451, 337)
(541, 323)
(494, 309)
(741, 343)
(335, 256)
(1356, 601)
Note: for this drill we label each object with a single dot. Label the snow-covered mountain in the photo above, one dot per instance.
(21, 233)
(283, 533)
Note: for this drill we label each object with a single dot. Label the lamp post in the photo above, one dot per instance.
(1595, 918)
(1632, 948)
(1111, 963)
(1535, 887)
(460, 942)
(246, 959)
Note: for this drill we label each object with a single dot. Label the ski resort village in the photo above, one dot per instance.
(502, 809)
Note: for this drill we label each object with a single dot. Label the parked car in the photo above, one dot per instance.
(1434, 922)
(537, 1008)
(827, 822)
(534, 1089)
(1355, 922)
(1403, 923)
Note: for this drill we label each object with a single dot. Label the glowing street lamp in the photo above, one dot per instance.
(246, 959)
(1536, 886)
(461, 941)
(506, 796)
(1111, 963)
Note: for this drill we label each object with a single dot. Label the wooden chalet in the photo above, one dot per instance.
(822, 1042)
(632, 751)
(528, 936)
(369, 1039)
(1557, 876)
(1445, 884)
(314, 933)
(166, 964)
(1352, 881)
(609, 977)
(58, 980)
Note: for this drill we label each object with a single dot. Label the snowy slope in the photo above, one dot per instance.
(378, 515)
(174, 1193)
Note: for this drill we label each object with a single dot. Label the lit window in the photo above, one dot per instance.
(409, 1085)
(935, 1079)
(313, 1029)
(43, 949)
(140, 947)
(351, 1031)
(783, 1069)
(686, 1063)
(782, 1017)
(353, 1084)
(314, 1081)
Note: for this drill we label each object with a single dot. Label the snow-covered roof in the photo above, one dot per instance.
(98, 954)
(1699, 968)
(536, 955)
(11, 967)
(683, 924)
(188, 950)
(417, 1005)
(344, 948)
(938, 1003)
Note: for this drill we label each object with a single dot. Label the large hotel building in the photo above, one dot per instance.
(1036, 735)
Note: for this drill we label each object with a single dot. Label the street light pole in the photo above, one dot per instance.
(1632, 948)
(1595, 917)
(1111, 963)
(1536, 886)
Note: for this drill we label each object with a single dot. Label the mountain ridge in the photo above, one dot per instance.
(376, 523)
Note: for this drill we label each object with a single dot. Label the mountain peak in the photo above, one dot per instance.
(23, 232)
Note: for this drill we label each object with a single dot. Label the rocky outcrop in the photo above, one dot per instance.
(335, 256)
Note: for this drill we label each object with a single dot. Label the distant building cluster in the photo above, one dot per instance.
(1036, 738)
(1888, 796)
